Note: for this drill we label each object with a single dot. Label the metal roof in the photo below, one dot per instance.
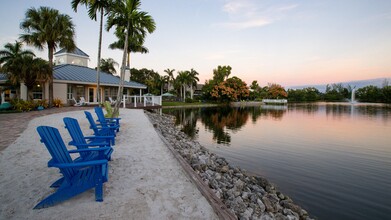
(76, 51)
(82, 74)
(3, 77)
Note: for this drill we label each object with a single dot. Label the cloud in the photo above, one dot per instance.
(244, 14)
(256, 22)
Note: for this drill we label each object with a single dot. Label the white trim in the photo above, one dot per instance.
(71, 54)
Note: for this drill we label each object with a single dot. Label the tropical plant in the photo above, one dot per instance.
(125, 15)
(134, 44)
(94, 7)
(171, 78)
(10, 58)
(221, 73)
(108, 66)
(192, 80)
(47, 26)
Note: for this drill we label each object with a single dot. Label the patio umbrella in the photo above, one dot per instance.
(167, 94)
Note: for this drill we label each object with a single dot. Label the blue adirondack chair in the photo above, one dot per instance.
(106, 122)
(78, 176)
(99, 130)
(81, 142)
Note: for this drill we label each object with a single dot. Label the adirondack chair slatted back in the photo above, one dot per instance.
(92, 122)
(76, 133)
(101, 116)
(52, 139)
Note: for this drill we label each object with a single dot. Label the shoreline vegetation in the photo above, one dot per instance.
(248, 196)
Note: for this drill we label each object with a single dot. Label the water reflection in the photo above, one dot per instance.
(223, 120)
(333, 159)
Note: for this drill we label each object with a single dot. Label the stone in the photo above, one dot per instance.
(261, 205)
(224, 169)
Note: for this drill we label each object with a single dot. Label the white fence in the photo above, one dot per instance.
(274, 101)
(146, 100)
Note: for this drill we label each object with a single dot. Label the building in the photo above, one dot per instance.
(72, 78)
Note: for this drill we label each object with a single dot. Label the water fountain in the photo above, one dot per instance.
(352, 99)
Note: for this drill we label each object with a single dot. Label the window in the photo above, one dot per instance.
(37, 91)
(79, 92)
(69, 92)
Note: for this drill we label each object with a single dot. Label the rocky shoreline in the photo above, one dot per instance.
(249, 197)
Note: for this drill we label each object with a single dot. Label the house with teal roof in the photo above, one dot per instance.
(73, 79)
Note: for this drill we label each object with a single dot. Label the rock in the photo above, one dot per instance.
(267, 216)
(224, 169)
(261, 205)
(269, 206)
(247, 214)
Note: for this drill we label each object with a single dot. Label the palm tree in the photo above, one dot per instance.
(125, 14)
(10, 58)
(183, 80)
(108, 65)
(33, 70)
(134, 45)
(47, 26)
(193, 79)
(93, 7)
(170, 74)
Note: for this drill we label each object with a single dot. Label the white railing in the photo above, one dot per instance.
(146, 100)
(275, 101)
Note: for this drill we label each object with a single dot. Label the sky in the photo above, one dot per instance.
(289, 42)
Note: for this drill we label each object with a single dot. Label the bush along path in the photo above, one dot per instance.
(249, 197)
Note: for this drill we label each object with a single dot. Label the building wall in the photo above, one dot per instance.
(71, 59)
(60, 92)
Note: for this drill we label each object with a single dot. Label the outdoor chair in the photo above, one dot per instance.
(78, 177)
(110, 122)
(100, 130)
(81, 142)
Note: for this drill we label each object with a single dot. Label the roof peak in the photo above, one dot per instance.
(76, 51)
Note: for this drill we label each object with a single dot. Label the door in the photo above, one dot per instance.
(91, 94)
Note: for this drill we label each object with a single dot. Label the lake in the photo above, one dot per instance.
(333, 159)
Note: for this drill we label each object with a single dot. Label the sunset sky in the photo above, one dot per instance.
(273, 41)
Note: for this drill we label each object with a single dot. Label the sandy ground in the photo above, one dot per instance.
(145, 180)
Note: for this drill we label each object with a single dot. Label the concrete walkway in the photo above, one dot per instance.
(145, 180)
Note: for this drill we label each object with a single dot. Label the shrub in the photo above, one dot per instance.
(189, 100)
(43, 103)
(57, 103)
(109, 110)
(23, 106)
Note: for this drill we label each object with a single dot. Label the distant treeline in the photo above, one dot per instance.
(338, 93)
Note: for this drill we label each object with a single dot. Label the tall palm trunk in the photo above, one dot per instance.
(121, 84)
(99, 52)
(51, 49)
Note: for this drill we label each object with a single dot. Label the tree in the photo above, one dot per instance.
(183, 80)
(221, 73)
(47, 26)
(193, 79)
(276, 91)
(10, 58)
(232, 89)
(134, 45)
(108, 65)
(136, 24)
(95, 6)
(171, 78)
(33, 70)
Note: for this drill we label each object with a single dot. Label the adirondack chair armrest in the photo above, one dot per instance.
(99, 137)
(98, 144)
(89, 149)
(79, 164)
